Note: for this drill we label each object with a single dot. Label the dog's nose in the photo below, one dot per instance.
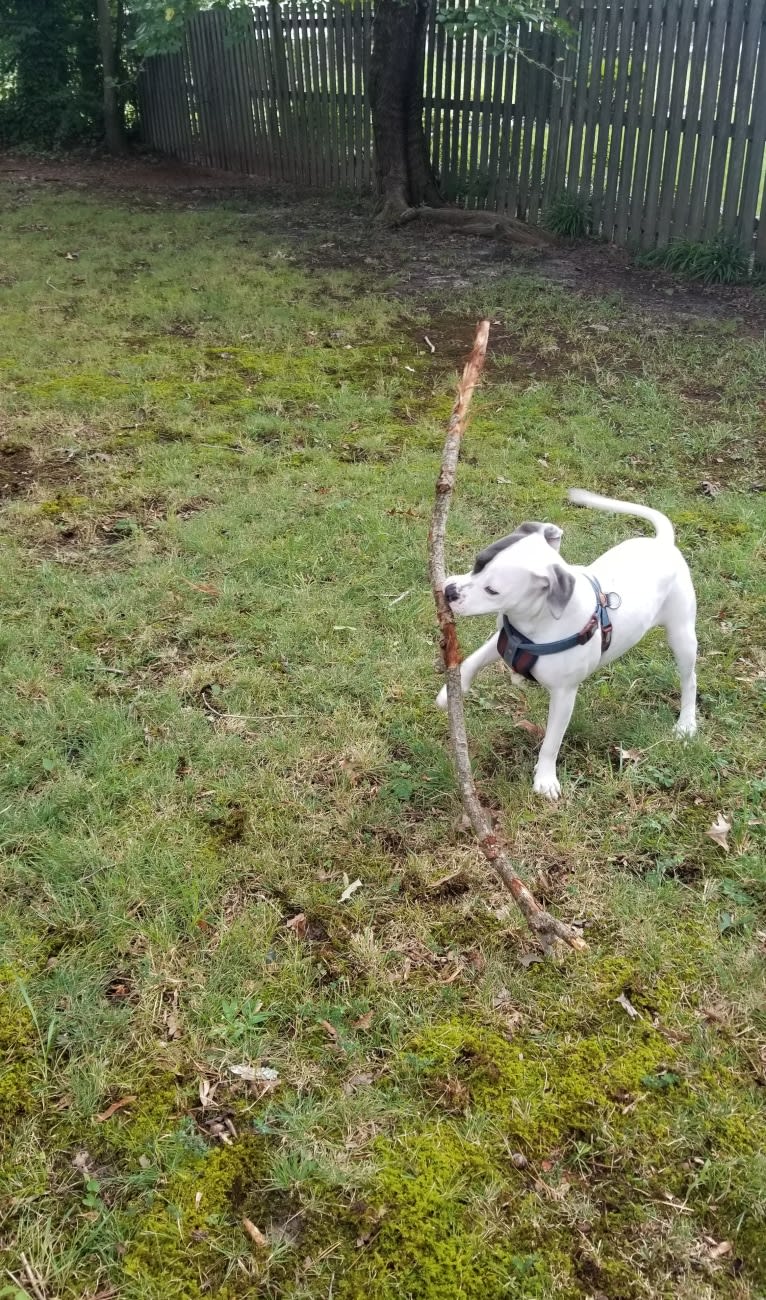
(451, 592)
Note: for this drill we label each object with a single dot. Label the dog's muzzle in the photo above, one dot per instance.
(451, 592)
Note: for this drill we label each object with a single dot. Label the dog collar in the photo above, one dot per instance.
(521, 654)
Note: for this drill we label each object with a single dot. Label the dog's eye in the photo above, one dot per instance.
(490, 591)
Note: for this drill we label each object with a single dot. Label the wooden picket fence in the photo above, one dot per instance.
(654, 112)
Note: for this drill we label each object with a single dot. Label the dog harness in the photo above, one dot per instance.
(521, 654)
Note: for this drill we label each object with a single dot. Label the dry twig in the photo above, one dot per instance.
(33, 1279)
(545, 926)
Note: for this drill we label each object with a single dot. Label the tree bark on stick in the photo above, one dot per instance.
(547, 928)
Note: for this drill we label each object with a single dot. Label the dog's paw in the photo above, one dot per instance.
(441, 699)
(684, 730)
(547, 783)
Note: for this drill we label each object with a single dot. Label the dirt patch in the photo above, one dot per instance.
(403, 263)
(21, 470)
(511, 354)
(17, 471)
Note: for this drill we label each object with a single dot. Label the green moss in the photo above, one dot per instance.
(176, 1250)
(543, 1098)
(132, 1132)
(433, 1243)
(64, 503)
(17, 1048)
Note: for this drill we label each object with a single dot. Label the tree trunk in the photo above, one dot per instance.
(406, 183)
(114, 132)
(404, 174)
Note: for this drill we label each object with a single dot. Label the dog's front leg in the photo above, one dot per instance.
(559, 712)
(480, 658)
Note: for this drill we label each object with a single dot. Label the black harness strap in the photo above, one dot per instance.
(521, 654)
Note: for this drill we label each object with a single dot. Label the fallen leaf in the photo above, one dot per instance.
(719, 832)
(255, 1074)
(365, 1021)
(256, 1236)
(627, 1005)
(206, 588)
(112, 1110)
(298, 924)
(206, 1093)
(356, 1081)
(527, 959)
(717, 1252)
(531, 728)
(625, 756)
(172, 1026)
(330, 1030)
(349, 890)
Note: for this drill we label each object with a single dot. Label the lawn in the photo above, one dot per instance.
(218, 448)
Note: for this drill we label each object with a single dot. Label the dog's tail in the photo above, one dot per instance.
(662, 524)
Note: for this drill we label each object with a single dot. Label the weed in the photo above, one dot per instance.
(721, 260)
(569, 215)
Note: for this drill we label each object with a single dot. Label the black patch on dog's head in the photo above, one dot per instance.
(523, 530)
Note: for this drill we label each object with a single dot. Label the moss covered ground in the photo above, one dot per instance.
(217, 455)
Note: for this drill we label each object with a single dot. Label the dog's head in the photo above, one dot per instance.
(517, 575)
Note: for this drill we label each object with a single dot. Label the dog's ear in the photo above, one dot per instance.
(553, 535)
(558, 584)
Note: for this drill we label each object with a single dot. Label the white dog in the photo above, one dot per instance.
(558, 622)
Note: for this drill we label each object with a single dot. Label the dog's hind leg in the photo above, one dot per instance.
(682, 639)
(486, 654)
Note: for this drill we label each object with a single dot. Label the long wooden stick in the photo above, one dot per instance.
(548, 930)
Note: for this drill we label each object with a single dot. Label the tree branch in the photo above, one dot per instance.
(473, 221)
(548, 930)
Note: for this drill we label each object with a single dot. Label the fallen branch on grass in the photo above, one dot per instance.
(548, 930)
(473, 221)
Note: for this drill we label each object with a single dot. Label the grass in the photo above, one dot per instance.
(219, 455)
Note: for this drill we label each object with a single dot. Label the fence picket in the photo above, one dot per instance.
(605, 114)
(593, 72)
(658, 109)
(638, 72)
(570, 172)
(687, 117)
(753, 185)
(542, 112)
(722, 122)
(645, 127)
(734, 176)
(616, 142)
(696, 213)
